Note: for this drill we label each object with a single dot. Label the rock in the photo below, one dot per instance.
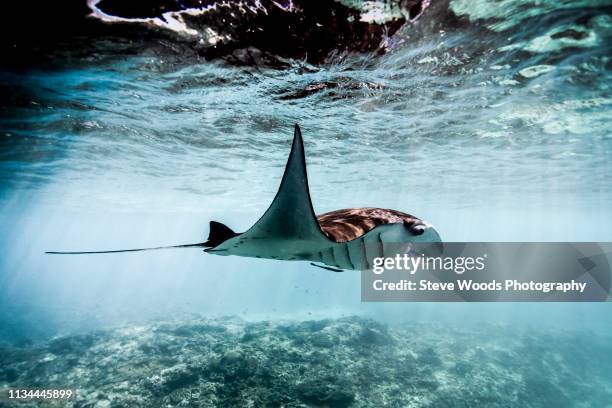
(430, 357)
(325, 393)
(8, 375)
(170, 379)
(66, 345)
(322, 340)
(309, 31)
(243, 31)
(374, 336)
(103, 404)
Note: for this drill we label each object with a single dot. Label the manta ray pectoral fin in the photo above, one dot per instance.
(329, 268)
(290, 218)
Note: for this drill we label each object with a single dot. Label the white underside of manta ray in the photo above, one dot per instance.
(290, 230)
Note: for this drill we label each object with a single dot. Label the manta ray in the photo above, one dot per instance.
(289, 230)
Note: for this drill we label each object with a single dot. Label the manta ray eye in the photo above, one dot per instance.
(417, 229)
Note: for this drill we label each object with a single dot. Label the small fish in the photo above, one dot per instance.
(290, 230)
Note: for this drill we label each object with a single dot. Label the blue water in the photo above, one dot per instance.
(496, 128)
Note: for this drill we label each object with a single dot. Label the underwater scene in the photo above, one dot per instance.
(128, 125)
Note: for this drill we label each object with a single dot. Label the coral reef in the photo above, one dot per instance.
(346, 362)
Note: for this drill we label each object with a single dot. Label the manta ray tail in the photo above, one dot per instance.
(124, 250)
(219, 233)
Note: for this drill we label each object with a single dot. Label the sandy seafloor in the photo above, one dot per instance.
(344, 362)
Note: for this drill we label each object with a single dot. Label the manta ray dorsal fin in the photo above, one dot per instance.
(290, 216)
